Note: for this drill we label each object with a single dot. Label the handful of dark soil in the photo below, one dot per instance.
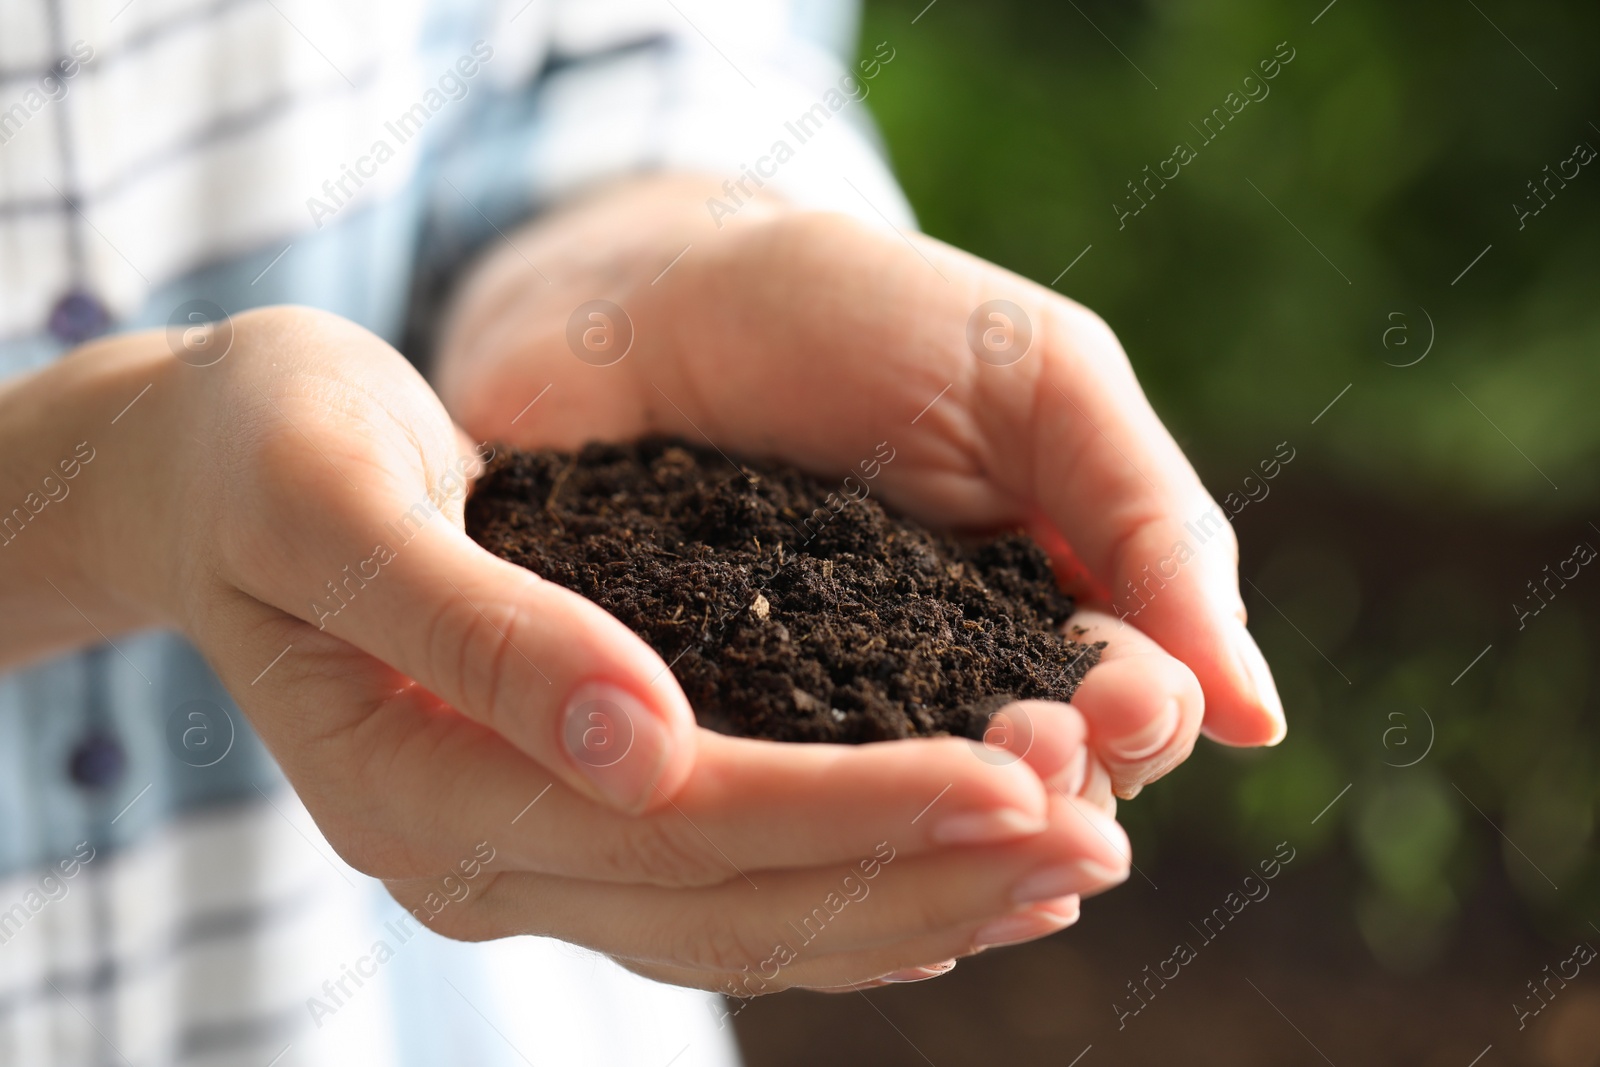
(786, 609)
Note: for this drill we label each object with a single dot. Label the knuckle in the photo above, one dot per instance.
(1079, 335)
(803, 237)
(373, 844)
(822, 230)
(461, 922)
(474, 917)
(372, 852)
(720, 946)
(473, 654)
(667, 852)
(290, 323)
(1093, 331)
(468, 918)
(355, 808)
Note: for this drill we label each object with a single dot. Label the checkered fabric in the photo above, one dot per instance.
(164, 897)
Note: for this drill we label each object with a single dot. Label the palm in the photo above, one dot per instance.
(824, 342)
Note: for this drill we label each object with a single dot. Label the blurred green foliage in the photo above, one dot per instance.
(1397, 140)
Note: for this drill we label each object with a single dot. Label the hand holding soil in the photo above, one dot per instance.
(780, 617)
(449, 697)
(443, 701)
(812, 339)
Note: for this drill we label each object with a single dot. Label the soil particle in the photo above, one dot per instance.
(785, 611)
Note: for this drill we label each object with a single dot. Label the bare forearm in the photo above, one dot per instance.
(72, 455)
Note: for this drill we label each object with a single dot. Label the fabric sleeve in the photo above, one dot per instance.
(763, 91)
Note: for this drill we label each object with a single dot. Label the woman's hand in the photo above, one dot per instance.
(295, 509)
(826, 342)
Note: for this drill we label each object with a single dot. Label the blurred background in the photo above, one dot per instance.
(1386, 266)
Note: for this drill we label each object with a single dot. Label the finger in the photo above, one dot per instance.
(1143, 707)
(855, 971)
(777, 805)
(368, 749)
(386, 566)
(883, 900)
(750, 806)
(1063, 425)
(923, 973)
(542, 666)
(1053, 739)
(1068, 427)
(1047, 735)
(1054, 742)
(552, 640)
(1111, 479)
(344, 509)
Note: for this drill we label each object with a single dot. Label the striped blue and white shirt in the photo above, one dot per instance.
(164, 897)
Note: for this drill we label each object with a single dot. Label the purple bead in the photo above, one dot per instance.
(97, 761)
(78, 316)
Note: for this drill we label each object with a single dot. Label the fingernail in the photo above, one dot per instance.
(1023, 926)
(1254, 666)
(1067, 908)
(1079, 877)
(1150, 740)
(1069, 780)
(986, 827)
(920, 974)
(618, 743)
(1096, 785)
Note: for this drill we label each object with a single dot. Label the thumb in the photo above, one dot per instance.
(542, 666)
(337, 499)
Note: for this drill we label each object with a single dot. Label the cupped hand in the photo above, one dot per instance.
(296, 509)
(959, 392)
